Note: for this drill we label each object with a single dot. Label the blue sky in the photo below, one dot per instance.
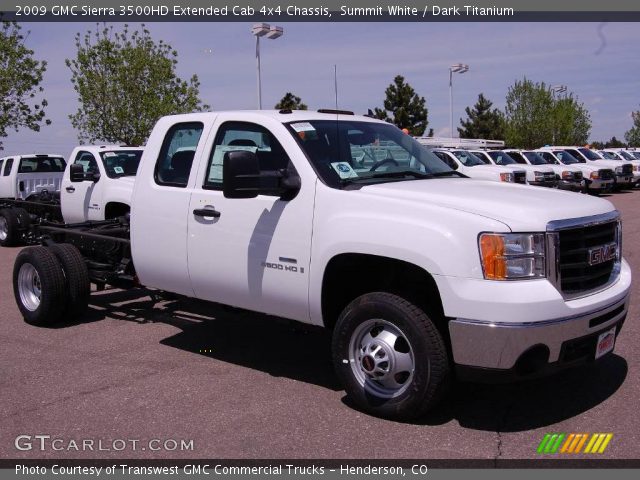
(598, 62)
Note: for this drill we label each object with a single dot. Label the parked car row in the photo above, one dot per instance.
(565, 167)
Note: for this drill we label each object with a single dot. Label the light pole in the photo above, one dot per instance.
(556, 89)
(262, 30)
(457, 68)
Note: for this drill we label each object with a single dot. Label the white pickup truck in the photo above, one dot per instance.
(29, 184)
(467, 163)
(99, 182)
(419, 272)
(623, 170)
(597, 179)
(534, 174)
(96, 184)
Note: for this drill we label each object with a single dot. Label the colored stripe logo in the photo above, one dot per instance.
(573, 443)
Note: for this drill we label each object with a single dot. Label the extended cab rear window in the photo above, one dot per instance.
(7, 167)
(176, 155)
(41, 165)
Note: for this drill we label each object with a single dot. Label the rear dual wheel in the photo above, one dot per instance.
(13, 222)
(50, 284)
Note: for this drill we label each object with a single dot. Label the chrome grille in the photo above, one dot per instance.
(577, 176)
(549, 176)
(626, 169)
(606, 174)
(520, 177)
(571, 246)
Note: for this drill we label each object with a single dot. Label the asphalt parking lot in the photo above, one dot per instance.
(240, 386)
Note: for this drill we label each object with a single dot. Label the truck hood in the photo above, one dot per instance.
(520, 207)
(492, 168)
(529, 168)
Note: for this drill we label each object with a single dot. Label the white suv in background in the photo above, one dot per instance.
(467, 163)
(623, 171)
(596, 179)
(620, 154)
(543, 174)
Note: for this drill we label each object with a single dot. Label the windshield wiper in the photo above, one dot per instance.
(448, 174)
(400, 174)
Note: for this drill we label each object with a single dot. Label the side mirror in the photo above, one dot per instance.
(240, 174)
(76, 173)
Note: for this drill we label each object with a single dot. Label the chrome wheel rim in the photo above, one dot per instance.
(29, 287)
(4, 229)
(381, 358)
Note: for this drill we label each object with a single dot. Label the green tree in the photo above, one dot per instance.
(613, 142)
(125, 82)
(20, 77)
(482, 121)
(290, 102)
(571, 121)
(633, 134)
(528, 110)
(403, 107)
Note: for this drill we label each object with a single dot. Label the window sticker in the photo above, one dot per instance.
(303, 127)
(344, 170)
(118, 170)
(110, 154)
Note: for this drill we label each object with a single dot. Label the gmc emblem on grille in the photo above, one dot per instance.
(602, 254)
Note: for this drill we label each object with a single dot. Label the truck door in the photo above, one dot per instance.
(81, 201)
(251, 253)
(159, 210)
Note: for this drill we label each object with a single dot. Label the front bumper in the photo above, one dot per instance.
(624, 180)
(604, 185)
(570, 185)
(545, 183)
(510, 323)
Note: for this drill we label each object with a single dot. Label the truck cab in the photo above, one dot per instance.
(24, 177)
(98, 182)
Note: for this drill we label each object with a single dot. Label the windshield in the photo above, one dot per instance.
(590, 154)
(41, 164)
(626, 155)
(636, 155)
(502, 158)
(121, 163)
(535, 159)
(468, 159)
(344, 152)
(565, 157)
(609, 155)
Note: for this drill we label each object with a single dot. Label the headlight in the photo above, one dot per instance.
(594, 175)
(635, 168)
(566, 175)
(506, 177)
(512, 256)
(539, 176)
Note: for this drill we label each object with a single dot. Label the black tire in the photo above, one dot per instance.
(39, 266)
(77, 280)
(24, 219)
(421, 390)
(10, 236)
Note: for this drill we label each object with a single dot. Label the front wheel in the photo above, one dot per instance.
(389, 356)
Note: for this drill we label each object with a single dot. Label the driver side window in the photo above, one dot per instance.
(88, 162)
(233, 136)
(446, 159)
